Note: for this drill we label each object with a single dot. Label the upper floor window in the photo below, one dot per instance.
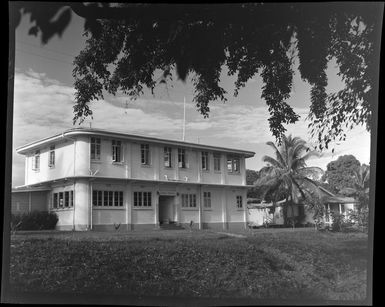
(233, 164)
(205, 160)
(239, 202)
(167, 157)
(51, 161)
(182, 161)
(207, 200)
(142, 199)
(145, 154)
(189, 200)
(116, 151)
(95, 149)
(217, 162)
(36, 161)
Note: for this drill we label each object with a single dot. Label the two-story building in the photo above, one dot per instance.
(102, 180)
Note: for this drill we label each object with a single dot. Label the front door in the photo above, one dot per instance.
(166, 209)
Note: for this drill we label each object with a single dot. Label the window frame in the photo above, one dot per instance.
(217, 162)
(107, 199)
(95, 150)
(61, 200)
(117, 151)
(207, 200)
(36, 161)
(235, 163)
(239, 200)
(189, 201)
(205, 165)
(167, 154)
(51, 157)
(142, 200)
(67, 200)
(182, 158)
(145, 154)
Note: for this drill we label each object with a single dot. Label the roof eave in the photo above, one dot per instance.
(73, 132)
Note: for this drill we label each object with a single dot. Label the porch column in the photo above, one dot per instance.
(131, 151)
(155, 199)
(156, 162)
(199, 166)
(339, 206)
(244, 205)
(177, 206)
(127, 157)
(223, 168)
(128, 204)
(91, 205)
(174, 153)
(224, 208)
(199, 200)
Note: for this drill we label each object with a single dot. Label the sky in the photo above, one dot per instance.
(44, 97)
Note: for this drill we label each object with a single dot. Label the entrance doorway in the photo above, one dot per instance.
(166, 209)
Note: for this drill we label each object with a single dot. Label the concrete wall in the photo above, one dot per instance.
(131, 167)
(65, 163)
(65, 215)
(222, 213)
(235, 214)
(214, 214)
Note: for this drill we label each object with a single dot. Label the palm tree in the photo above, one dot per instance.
(287, 176)
(360, 191)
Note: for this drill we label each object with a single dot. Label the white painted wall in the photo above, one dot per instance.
(81, 204)
(213, 215)
(64, 163)
(102, 216)
(131, 166)
(233, 213)
(66, 154)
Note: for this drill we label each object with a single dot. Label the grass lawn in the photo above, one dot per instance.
(290, 264)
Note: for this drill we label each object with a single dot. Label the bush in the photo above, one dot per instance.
(339, 222)
(35, 220)
(359, 218)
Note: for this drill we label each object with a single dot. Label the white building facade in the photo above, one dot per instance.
(102, 180)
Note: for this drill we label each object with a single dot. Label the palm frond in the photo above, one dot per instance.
(312, 170)
(301, 161)
(277, 152)
(272, 161)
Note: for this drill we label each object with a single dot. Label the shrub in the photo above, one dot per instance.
(342, 223)
(338, 223)
(359, 218)
(35, 220)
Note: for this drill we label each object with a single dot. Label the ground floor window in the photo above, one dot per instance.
(189, 200)
(142, 199)
(239, 202)
(63, 200)
(107, 198)
(207, 200)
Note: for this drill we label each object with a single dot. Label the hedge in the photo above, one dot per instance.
(35, 220)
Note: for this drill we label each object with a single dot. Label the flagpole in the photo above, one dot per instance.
(184, 117)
